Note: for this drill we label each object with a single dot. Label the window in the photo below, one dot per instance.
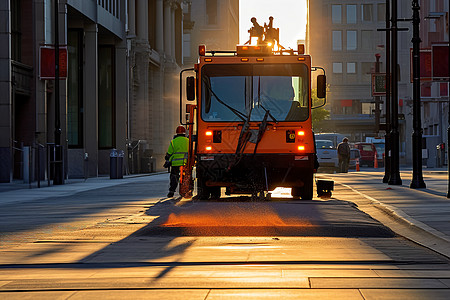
(367, 108)
(351, 40)
(187, 45)
(337, 68)
(366, 40)
(337, 40)
(211, 12)
(16, 31)
(351, 68)
(281, 89)
(366, 12)
(336, 14)
(106, 105)
(381, 12)
(75, 88)
(351, 14)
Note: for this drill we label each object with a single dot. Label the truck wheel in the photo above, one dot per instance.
(296, 192)
(215, 192)
(203, 191)
(307, 189)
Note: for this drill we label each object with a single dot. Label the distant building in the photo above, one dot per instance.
(121, 89)
(434, 18)
(214, 23)
(342, 37)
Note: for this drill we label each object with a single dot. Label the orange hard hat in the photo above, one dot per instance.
(181, 130)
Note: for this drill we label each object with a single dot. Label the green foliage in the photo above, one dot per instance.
(318, 114)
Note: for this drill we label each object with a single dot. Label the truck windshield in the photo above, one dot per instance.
(231, 92)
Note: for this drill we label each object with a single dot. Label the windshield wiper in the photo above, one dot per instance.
(259, 102)
(233, 110)
(268, 112)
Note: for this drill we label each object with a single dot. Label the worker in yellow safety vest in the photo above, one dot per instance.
(176, 157)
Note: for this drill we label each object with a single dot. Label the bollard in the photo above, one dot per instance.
(113, 164)
(357, 165)
(375, 161)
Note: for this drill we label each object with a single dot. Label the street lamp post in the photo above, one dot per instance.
(417, 178)
(394, 178)
(58, 178)
(377, 98)
(448, 128)
(387, 149)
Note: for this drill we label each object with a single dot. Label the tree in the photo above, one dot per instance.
(318, 114)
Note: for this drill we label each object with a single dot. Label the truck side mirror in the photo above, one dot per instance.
(321, 86)
(190, 88)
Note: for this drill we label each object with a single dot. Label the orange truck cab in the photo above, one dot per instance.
(250, 130)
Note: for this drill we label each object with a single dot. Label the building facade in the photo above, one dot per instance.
(342, 36)
(120, 92)
(434, 17)
(214, 23)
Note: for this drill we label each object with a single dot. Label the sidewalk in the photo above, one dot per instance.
(17, 192)
(422, 215)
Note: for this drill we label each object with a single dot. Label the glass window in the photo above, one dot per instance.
(351, 40)
(211, 12)
(75, 89)
(106, 106)
(324, 144)
(366, 12)
(351, 68)
(16, 31)
(336, 14)
(280, 91)
(381, 12)
(351, 14)
(337, 40)
(337, 68)
(366, 40)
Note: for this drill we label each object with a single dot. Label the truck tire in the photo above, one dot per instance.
(306, 191)
(203, 192)
(215, 192)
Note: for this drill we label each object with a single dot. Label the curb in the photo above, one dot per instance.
(434, 239)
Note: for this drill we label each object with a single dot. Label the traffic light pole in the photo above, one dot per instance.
(448, 128)
(58, 178)
(394, 178)
(417, 178)
(387, 149)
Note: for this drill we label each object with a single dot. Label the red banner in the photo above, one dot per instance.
(47, 62)
(440, 62)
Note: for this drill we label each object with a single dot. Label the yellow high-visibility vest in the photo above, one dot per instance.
(178, 150)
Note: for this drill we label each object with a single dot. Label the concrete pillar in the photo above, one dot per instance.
(167, 28)
(142, 20)
(6, 92)
(173, 31)
(132, 17)
(159, 24)
(121, 95)
(91, 98)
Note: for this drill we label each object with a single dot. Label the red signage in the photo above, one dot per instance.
(440, 62)
(425, 65)
(47, 62)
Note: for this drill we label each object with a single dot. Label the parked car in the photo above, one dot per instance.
(327, 155)
(354, 156)
(368, 152)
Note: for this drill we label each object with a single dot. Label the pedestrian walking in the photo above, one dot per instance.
(343, 151)
(176, 157)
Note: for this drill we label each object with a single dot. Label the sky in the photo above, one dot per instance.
(288, 15)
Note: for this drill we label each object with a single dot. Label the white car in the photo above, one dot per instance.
(327, 155)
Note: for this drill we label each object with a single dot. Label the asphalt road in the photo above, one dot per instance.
(129, 241)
